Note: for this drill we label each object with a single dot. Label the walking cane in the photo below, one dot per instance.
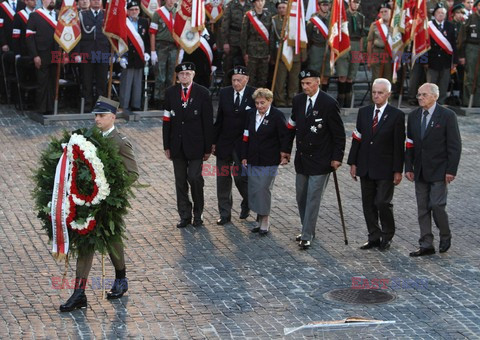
(340, 209)
(103, 277)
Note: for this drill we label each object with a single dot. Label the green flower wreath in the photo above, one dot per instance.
(109, 213)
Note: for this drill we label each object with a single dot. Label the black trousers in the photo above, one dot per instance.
(377, 196)
(189, 172)
(46, 78)
(98, 72)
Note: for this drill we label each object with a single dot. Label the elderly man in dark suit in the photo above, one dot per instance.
(320, 135)
(376, 156)
(431, 160)
(187, 140)
(234, 102)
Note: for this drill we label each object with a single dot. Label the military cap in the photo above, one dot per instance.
(438, 6)
(308, 73)
(323, 1)
(105, 105)
(281, 2)
(187, 66)
(458, 7)
(132, 3)
(384, 5)
(238, 70)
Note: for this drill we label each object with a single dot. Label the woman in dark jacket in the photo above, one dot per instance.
(266, 144)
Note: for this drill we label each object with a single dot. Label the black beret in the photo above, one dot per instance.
(439, 5)
(187, 66)
(384, 5)
(238, 70)
(308, 73)
(131, 4)
(105, 105)
(458, 7)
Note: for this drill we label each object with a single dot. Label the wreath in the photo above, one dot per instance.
(96, 195)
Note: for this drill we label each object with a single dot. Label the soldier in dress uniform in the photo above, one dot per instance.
(8, 9)
(285, 79)
(318, 52)
(19, 29)
(164, 49)
(379, 60)
(40, 43)
(458, 21)
(231, 28)
(234, 102)
(345, 67)
(95, 44)
(105, 113)
(187, 140)
(254, 42)
(469, 50)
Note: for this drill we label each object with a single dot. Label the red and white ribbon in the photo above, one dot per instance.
(245, 135)
(259, 26)
(387, 38)
(45, 15)
(7, 9)
(409, 143)
(205, 46)
(357, 135)
(320, 25)
(439, 38)
(135, 39)
(24, 15)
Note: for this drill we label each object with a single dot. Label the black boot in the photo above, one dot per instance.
(348, 94)
(341, 94)
(120, 286)
(78, 298)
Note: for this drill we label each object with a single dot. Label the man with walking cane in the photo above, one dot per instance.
(320, 135)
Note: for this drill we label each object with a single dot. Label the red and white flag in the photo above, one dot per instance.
(296, 33)
(421, 38)
(115, 26)
(68, 31)
(339, 39)
(214, 10)
(189, 23)
(149, 7)
(312, 8)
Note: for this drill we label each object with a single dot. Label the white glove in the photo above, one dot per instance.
(213, 69)
(17, 56)
(78, 59)
(154, 58)
(123, 62)
(147, 57)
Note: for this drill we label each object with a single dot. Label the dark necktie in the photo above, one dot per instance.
(185, 91)
(237, 100)
(14, 6)
(95, 13)
(375, 120)
(424, 123)
(309, 108)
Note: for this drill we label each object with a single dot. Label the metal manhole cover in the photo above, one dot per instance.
(359, 296)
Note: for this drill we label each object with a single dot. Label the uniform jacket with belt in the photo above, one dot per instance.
(230, 122)
(188, 132)
(438, 153)
(320, 137)
(378, 154)
(263, 147)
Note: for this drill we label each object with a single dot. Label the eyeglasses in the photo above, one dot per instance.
(422, 95)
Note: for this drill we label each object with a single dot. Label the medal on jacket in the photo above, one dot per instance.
(185, 97)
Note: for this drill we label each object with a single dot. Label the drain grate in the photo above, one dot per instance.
(359, 296)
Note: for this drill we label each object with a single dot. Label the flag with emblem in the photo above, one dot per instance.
(115, 26)
(189, 23)
(214, 10)
(296, 34)
(397, 36)
(149, 7)
(421, 38)
(68, 31)
(339, 39)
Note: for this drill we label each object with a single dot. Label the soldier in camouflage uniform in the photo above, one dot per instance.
(285, 78)
(255, 44)
(345, 67)
(469, 50)
(164, 50)
(230, 31)
(379, 60)
(317, 44)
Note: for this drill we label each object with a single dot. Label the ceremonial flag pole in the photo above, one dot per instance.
(339, 39)
(280, 48)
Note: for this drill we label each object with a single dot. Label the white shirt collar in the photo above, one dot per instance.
(382, 108)
(313, 98)
(240, 92)
(106, 133)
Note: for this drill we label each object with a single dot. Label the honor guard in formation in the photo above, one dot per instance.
(187, 140)
(442, 57)
(164, 49)
(346, 69)
(105, 113)
(320, 138)
(379, 59)
(8, 9)
(234, 102)
(254, 42)
(94, 44)
(318, 51)
(469, 53)
(40, 43)
(285, 80)
(231, 29)
(19, 29)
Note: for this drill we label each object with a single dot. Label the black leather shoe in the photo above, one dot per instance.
(304, 244)
(197, 223)
(423, 252)
(298, 238)
(385, 245)
(244, 213)
(445, 245)
(183, 223)
(370, 245)
(255, 230)
(223, 220)
(120, 287)
(77, 300)
(263, 232)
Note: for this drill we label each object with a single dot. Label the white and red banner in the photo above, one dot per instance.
(421, 38)
(135, 39)
(7, 9)
(46, 16)
(339, 39)
(439, 38)
(189, 22)
(296, 33)
(24, 15)
(115, 26)
(167, 17)
(312, 8)
(68, 31)
(149, 7)
(318, 23)
(214, 10)
(258, 25)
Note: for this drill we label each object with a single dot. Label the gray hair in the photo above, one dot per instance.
(433, 89)
(263, 93)
(383, 81)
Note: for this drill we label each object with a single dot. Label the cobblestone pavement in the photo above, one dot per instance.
(225, 282)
